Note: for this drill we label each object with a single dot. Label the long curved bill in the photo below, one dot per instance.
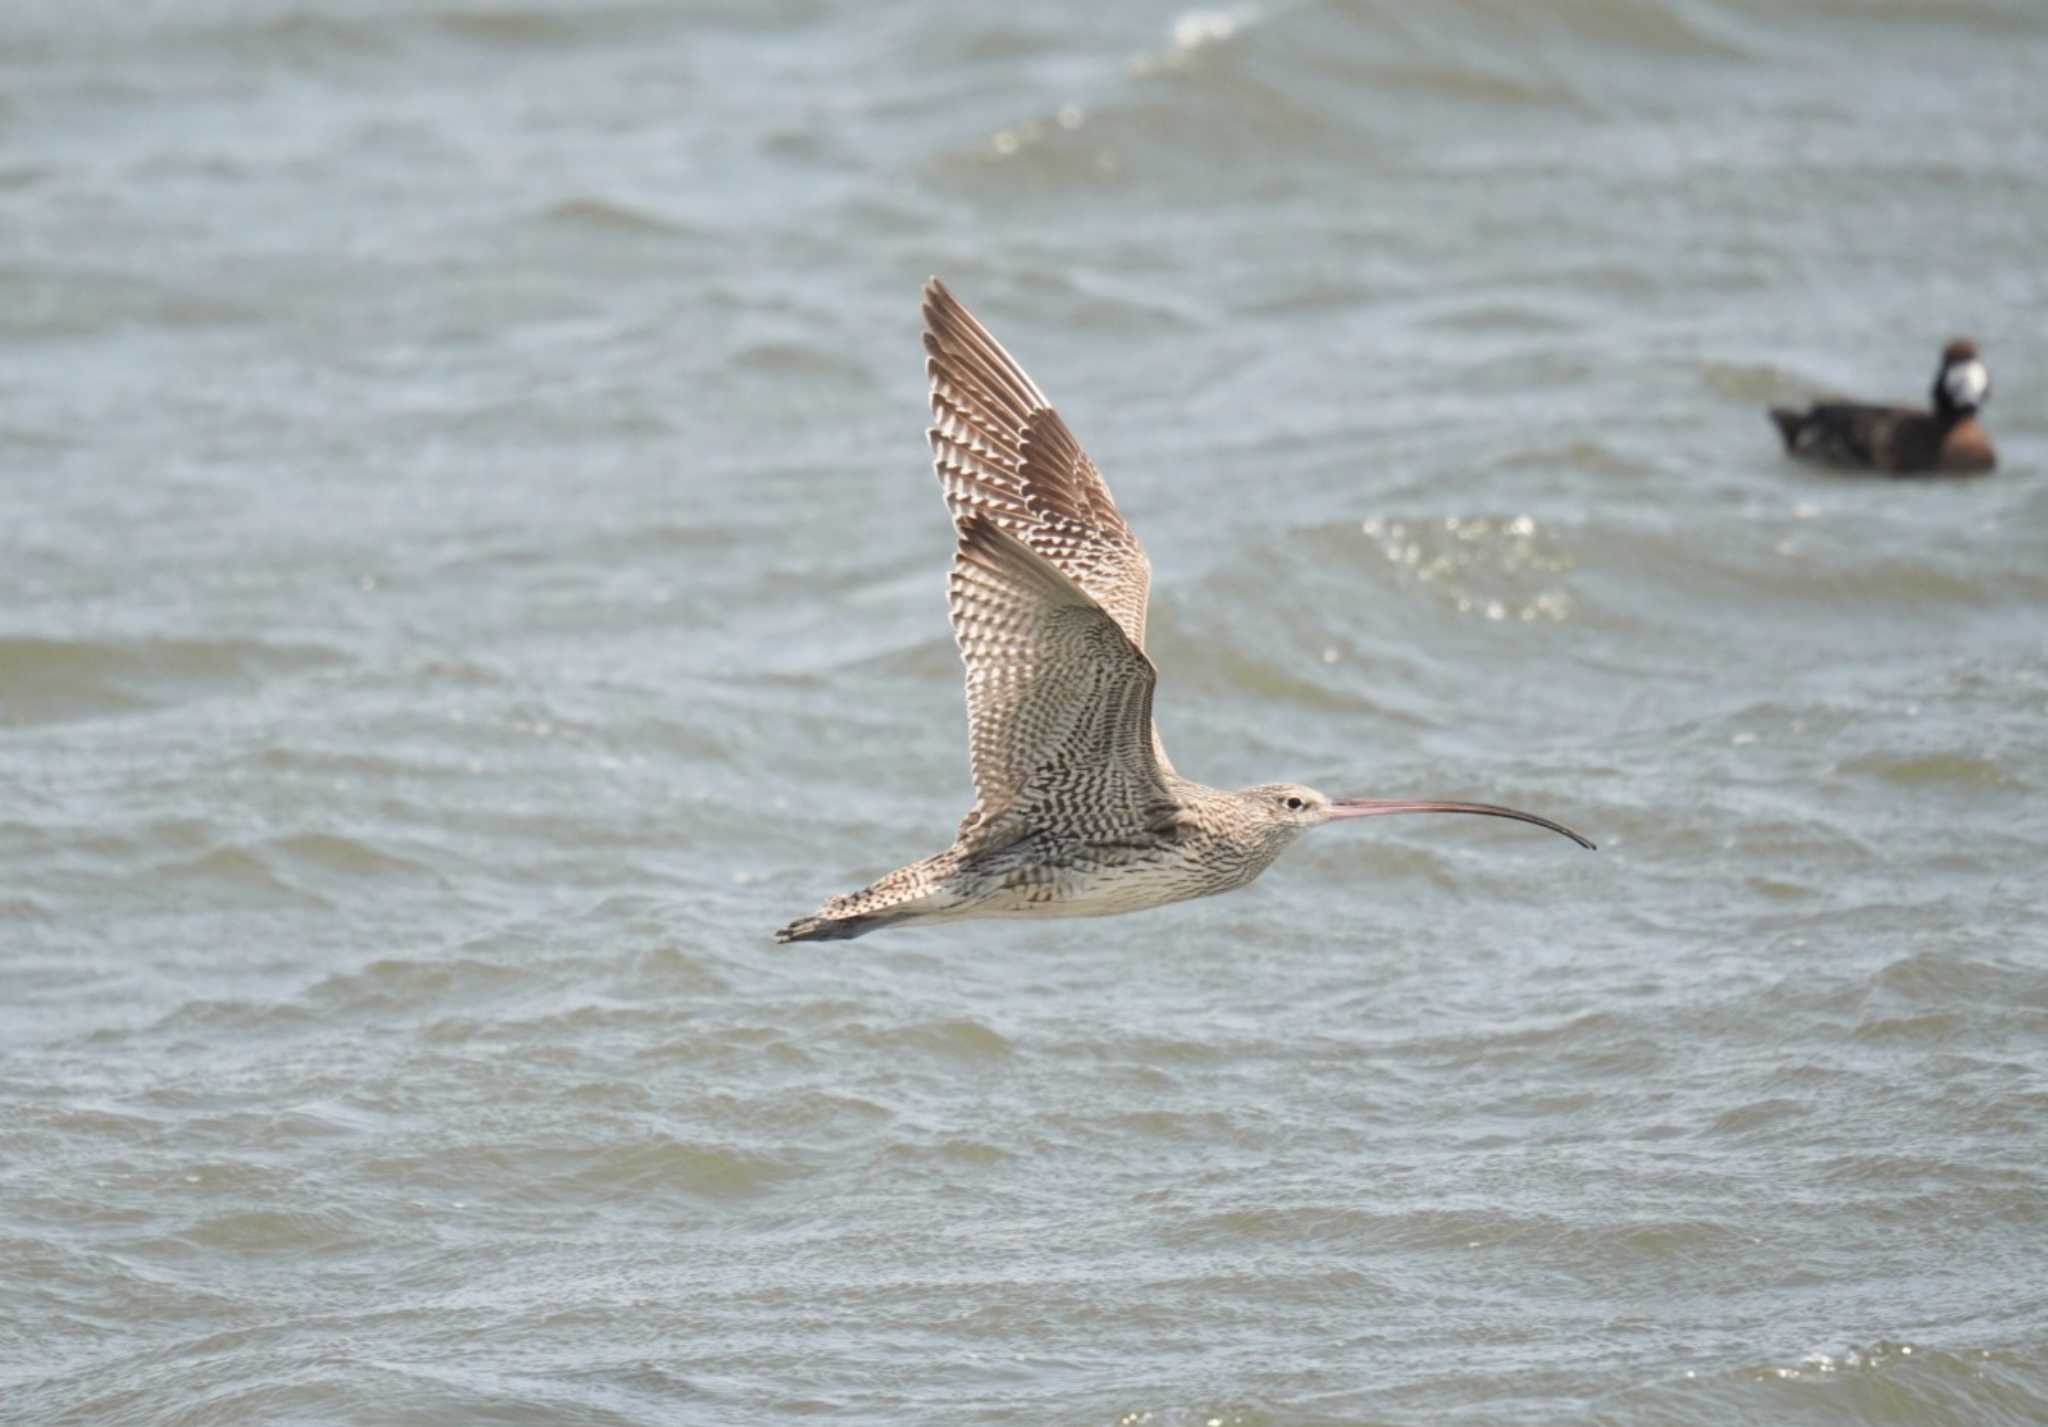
(1379, 807)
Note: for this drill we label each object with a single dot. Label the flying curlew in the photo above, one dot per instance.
(1078, 812)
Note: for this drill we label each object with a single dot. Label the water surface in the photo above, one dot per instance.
(472, 571)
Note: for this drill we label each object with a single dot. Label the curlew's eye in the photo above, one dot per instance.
(1293, 805)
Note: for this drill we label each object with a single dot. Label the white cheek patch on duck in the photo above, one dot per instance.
(1967, 383)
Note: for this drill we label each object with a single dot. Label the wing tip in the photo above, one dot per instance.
(937, 301)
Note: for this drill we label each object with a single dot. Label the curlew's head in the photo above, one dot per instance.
(1963, 382)
(1284, 811)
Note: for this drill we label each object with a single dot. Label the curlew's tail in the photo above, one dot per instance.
(914, 893)
(1789, 422)
(830, 928)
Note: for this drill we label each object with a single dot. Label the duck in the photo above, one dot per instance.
(1901, 440)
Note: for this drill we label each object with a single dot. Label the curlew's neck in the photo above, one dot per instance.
(1237, 839)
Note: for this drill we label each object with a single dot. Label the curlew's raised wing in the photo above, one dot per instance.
(1059, 697)
(1001, 450)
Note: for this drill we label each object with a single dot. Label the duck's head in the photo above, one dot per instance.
(1963, 383)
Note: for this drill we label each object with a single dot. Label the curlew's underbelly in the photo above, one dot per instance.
(1099, 886)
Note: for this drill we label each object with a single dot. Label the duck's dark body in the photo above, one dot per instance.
(1901, 440)
(1896, 439)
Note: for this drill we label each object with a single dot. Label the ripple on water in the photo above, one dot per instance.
(1762, 1117)
(395, 984)
(1752, 383)
(60, 680)
(800, 360)
(1590, 456)
(513, 25)
(953, 1150)
(720, 1171)
(789, 1111)
(102, 1124)
(1925, 1028)
(723, 1049)
(1177, 1127)
(234, 873)
(1938, 770)
(1637, 1244)
(607, 215)
(953, 1037)
(241, 1017)
(25, 909)
(1495, 567)
(1605, 1042)
(260, 1232)
(1942, 978)
(1887, 1381)
(330, 852)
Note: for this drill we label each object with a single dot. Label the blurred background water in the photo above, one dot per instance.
(470, 570)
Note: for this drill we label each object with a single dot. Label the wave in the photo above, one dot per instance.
(57, 680)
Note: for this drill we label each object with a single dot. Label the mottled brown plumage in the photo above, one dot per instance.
(1077, 810)
(1902, 440)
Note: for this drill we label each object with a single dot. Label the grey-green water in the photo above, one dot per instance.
(470, 571)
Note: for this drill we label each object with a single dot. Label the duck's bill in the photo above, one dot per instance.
(1380, 807)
